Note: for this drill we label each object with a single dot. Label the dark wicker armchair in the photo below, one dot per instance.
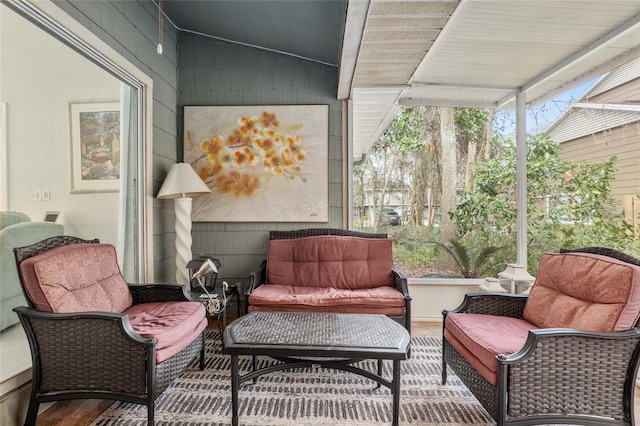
(258, 276)
(86, 355)
(559, 375)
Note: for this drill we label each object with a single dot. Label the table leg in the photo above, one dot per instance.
(254, 365)
(235, 378)
(224, 315)
(379, 372)
(395, 391)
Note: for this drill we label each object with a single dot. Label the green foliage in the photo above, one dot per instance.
(475, 260)
(569, 204)
(405, 131)
(411, 249)
(470, 123)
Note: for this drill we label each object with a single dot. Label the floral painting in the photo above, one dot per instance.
(262, 163)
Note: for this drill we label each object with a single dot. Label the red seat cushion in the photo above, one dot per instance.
(480, 338)
(173, 324)
(380, 300)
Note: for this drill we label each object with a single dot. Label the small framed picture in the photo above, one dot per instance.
(95, 146)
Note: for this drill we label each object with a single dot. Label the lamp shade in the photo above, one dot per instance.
(207, 268)
(182, 181)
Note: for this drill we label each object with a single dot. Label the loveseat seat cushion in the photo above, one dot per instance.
(565, 293)
(330, 261)
(479, 338)
(380, 300)
(174, 324)
(76, 278)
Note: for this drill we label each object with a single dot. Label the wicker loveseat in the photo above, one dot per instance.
(565, 354)
(93, 336)
(330, 270)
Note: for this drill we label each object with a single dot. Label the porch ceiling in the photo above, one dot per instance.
(478, 53)
(474, 53)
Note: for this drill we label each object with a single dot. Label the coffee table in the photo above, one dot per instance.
(334, 341)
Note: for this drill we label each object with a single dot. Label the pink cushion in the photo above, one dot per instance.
(382, 300)
(330, 261)
(76, 278)
(584, 291)
(485, 336)
(174, 324)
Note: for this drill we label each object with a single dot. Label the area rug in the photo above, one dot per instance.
(313, 396)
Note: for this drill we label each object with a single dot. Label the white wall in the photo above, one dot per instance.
(39, 76)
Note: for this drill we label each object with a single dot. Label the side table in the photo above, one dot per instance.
(221, 315)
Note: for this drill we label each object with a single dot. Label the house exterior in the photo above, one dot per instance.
(605, 122)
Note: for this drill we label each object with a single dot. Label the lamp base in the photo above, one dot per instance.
(183, 239)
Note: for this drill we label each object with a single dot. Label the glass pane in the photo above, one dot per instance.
(582, 181)
(69, 138)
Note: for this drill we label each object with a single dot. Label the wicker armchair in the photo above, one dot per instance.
(559, 375)
(86, 355)
(259, 275)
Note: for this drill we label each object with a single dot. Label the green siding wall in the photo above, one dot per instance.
(212, 72)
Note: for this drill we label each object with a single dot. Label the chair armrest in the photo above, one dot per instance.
(146, 293)
(593, 369)
(91, 323)
(499, 304)
(101, 346)
(257, 278)
(400, 282)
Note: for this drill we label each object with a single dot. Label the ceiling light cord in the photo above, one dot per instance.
(184, 30)
(160, 27)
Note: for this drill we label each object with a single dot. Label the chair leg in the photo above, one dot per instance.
(151, 414)
(444, 366)
(32, 411)
(202, 351)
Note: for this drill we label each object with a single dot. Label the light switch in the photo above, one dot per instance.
(36, 195)
(46, 194)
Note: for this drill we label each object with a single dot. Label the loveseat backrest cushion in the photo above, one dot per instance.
(584, 291)
(330, 261)
(76, 278)
(11, 218)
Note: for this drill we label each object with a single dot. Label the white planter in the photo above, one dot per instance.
(430, 296)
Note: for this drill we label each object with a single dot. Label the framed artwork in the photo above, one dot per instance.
(262, 163)
(95, 146)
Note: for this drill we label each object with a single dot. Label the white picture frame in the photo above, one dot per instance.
(95, 146)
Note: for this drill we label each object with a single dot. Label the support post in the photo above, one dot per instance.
(521, 178)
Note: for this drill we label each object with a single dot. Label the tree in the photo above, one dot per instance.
(473, 132)
(449, 173)
(569, 204)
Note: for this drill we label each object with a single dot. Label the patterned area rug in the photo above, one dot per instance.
(308, 396)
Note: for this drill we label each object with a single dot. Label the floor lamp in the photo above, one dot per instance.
(181, 184)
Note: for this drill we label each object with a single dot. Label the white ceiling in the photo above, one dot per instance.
(388, 53)
(478, 53)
